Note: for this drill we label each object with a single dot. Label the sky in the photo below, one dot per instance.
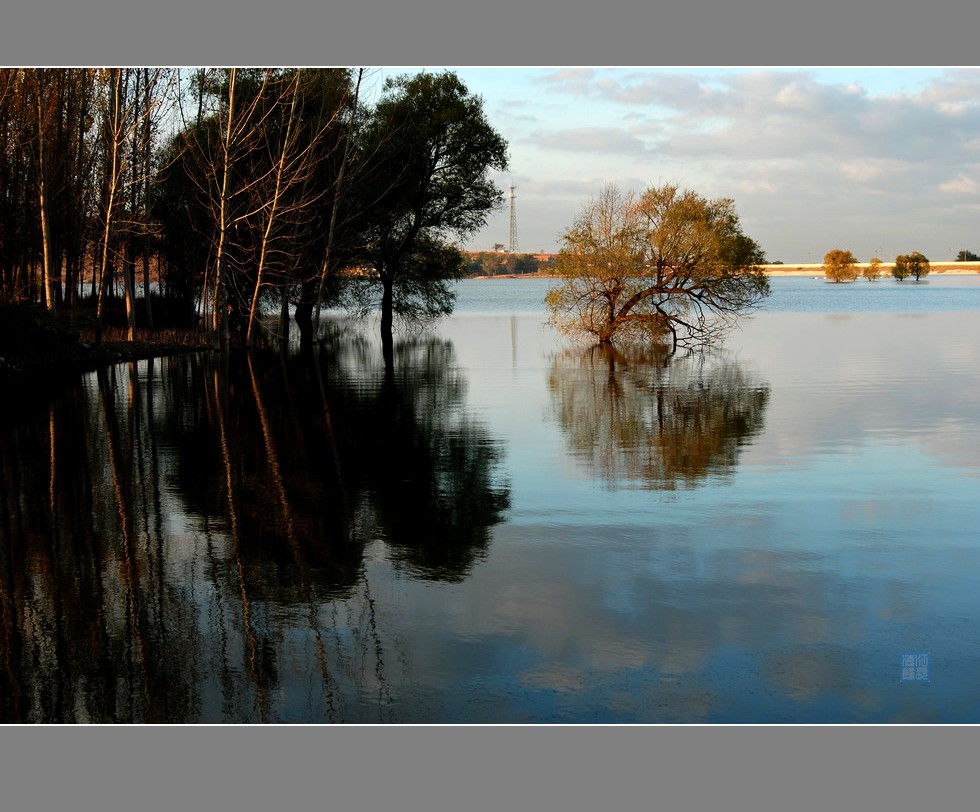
(875, 161)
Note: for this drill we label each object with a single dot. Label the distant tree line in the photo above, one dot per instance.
(842, 266)
(212, 194)
(495, 263)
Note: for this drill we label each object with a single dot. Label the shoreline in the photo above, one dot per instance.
(80, 359)
(796, 270)
(816, 269)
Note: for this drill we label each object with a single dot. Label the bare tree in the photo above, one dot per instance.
(283, 198)
(125, 117)
(338, 190)
(230, 185)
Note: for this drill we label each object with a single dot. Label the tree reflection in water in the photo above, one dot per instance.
(192, 539)
(91, 627)
(641, 416)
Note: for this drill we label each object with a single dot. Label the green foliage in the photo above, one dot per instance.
(304, 186)
(840, 266)
(668, 265)
(495, 263)
(914, 264)
(427, 153)
(967, 256)
(424, 290)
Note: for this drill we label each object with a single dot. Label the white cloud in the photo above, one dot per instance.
(590, 139)
(805, 156)
(960, 185)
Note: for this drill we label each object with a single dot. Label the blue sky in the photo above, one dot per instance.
(876, 161)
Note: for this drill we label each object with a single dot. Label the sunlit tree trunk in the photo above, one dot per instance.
(42, 175)
(129, 288)
(337, 195)
(147, 164)
(112, 183)
(219, 316)
(288, 200)
(272, 210)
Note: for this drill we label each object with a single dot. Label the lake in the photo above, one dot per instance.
(508, 528)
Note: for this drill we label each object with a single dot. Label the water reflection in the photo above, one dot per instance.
(640, 415)
(191, 539)
(330, 539)
(91, 629)
(428, 472)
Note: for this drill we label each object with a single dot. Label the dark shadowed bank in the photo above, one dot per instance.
(39, 351)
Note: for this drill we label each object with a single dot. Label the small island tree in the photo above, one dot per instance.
(914, 264)
(872, 270)
(669, 265)
(840, 266)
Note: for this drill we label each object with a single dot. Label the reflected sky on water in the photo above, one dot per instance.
(505, 528)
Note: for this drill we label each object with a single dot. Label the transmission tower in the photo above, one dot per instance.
(513, 219)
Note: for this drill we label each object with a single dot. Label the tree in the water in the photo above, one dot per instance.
(872, 270)
(914, 264)
(426, 158)
(840, 266)
(667, 265)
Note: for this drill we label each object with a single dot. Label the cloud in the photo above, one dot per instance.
(576, 81)
(763, 114)
(590, 139)
(805, 157)
(960, 185)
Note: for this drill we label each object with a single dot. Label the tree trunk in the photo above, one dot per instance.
(45, 241)
(387, 306)
(147, 302)
(387, 337)
(273, 212)
(304, 315)
(147, 166)
(112, 181)
(129, 287)
(284, 317)
(337, 193)
(388, 353)
(220, 317)
(43, 198)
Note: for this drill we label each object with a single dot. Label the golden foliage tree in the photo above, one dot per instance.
(914, 264)
(667, 265)
(872, 270)
(840, 266)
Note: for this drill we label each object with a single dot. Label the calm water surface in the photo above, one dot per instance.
(508, 528)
